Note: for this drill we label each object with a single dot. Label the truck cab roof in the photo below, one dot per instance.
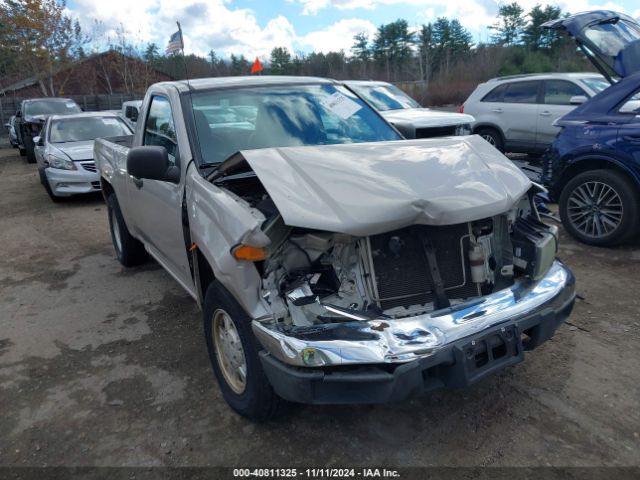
(241, 81)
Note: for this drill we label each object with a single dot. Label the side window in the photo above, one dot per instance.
(559, 92)
(631, 105)
(159, 129)
(131, 113)
(522, 92)
(495, 95)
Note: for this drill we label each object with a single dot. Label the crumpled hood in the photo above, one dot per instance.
(77, 150)
(427, 118)
(369, 188)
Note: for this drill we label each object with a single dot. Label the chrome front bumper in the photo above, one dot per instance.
(406, 339)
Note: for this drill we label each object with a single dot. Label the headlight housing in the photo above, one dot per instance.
(464, 129)
(60, 163)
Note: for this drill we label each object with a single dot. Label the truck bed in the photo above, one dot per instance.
(110, 155)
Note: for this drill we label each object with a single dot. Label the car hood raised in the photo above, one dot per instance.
(370, 188)
(76, 150)
(427, 118)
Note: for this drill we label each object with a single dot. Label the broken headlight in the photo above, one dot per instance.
(535, 245)
(464, 129)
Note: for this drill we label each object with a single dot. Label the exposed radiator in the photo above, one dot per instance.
(400, 268)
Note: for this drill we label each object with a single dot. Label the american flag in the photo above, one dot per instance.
(175, 43)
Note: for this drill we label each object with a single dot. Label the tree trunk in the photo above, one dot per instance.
(43, 87)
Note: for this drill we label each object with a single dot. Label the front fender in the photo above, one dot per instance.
(218, 221)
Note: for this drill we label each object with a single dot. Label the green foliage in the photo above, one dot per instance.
(511, 22)
(38, 36)
(534, 35)
(360, 48)
(280, 61)
(392, 46)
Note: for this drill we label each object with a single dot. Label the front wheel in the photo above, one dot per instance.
(47, 187)
(30, 150)
(600, 207)
(233, 352)
(129, 250)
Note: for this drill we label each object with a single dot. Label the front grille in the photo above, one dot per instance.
(402, 272)
(89, 166)
(436, 132)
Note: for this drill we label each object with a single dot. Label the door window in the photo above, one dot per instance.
(496, 94)
(159, 129)
(559, 92)
(632, 104)
(522, 92)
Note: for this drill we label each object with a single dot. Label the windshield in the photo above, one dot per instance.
(86, 128)
(48, 107)
(228, 121)
(385, 97)
(597, 84)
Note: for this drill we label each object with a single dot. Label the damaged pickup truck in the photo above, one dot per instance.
(334, 261)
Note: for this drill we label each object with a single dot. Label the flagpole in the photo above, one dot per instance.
(184, 60)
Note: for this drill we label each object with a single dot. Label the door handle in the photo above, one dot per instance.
(497, 110)
(137, 182)
(632, 138)
(546, 113)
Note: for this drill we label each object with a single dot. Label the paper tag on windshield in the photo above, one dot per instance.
(342, 106)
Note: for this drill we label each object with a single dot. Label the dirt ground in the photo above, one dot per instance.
(101, 366)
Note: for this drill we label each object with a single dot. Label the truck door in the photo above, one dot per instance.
(156, 205)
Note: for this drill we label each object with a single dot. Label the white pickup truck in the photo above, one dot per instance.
(334, 261)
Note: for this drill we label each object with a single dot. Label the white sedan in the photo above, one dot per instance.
(64, 151)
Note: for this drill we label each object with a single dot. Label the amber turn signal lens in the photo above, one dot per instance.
(247, 252)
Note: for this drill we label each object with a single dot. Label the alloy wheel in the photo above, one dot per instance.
(595, 209)
(490, 139)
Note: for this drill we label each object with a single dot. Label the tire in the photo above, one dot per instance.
(129, 251)
(30, 149)
(615, 208)
(254, 397)
(492, 136)
(47, 187)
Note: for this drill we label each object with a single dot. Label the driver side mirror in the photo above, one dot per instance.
(38, 141)
(152, 163)
(577, 100)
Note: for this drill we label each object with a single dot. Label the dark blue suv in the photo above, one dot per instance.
(593, 167)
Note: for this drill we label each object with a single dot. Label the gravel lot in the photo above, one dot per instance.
(101, 366)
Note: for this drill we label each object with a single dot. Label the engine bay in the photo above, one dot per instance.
(313, 277)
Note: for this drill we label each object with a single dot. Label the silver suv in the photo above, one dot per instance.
(516, 113)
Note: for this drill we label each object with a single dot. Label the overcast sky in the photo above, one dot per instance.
(254, 27)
